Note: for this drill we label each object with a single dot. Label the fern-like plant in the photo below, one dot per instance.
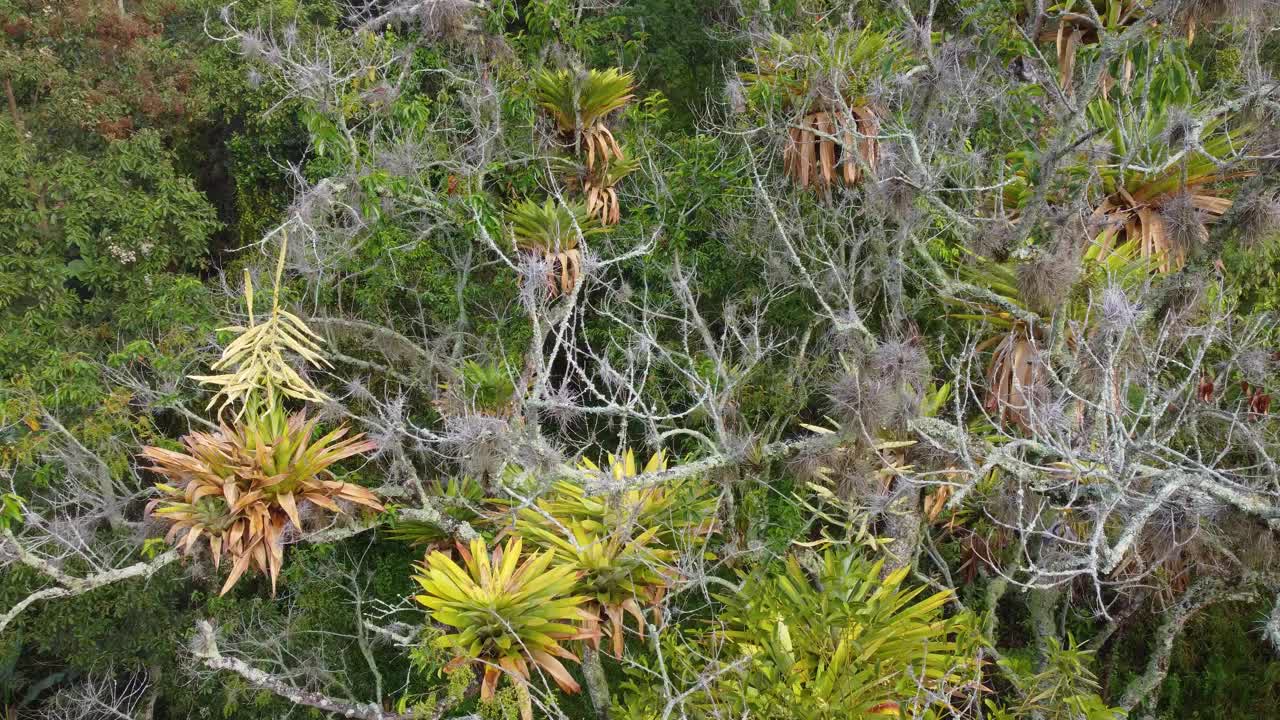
(483, 388)
(490, 386)
(828, 638)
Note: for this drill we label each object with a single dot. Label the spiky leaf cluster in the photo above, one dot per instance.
(256, 362)
(622, 546)
(846, 641)
(240, 487)
(510, 611)
(553, 229)
(579, 104)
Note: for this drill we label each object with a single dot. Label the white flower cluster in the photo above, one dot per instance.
(127, 256)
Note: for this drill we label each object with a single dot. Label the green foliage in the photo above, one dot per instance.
(581, 100)
(459, 499)
(1064, 690)
(551, 227)
(428, 660)
(89, 245)
(90, 74)
(509, 612)
(142, 157)
(10, 510)
(489, 388)
(128, 625)
(667, 43)
(842, 640)
(1222, 668)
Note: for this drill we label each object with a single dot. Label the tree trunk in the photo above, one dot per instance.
(902, 519)
(597, 684)
(13, 109)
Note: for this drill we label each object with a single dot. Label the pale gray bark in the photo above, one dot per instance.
(205, 649)
(1200, 595)
(69, 585)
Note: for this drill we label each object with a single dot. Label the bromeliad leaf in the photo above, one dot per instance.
(579, 102)
(554, 230)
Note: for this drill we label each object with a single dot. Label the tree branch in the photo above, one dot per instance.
(205, 648)
(69, 585)
(1200, 595)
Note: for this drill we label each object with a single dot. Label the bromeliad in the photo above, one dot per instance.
(579, 103)
(507, 612)
(554, 230)
(240, 487)
(825, 77)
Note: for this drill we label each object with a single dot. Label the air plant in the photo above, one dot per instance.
(579, 102)
(1014, 377)
(820, 148)
(553, 229)
(1074, 28)
(622, 545)
(678, 509)
(458, 499)
(1166, 163)
(240, 487)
